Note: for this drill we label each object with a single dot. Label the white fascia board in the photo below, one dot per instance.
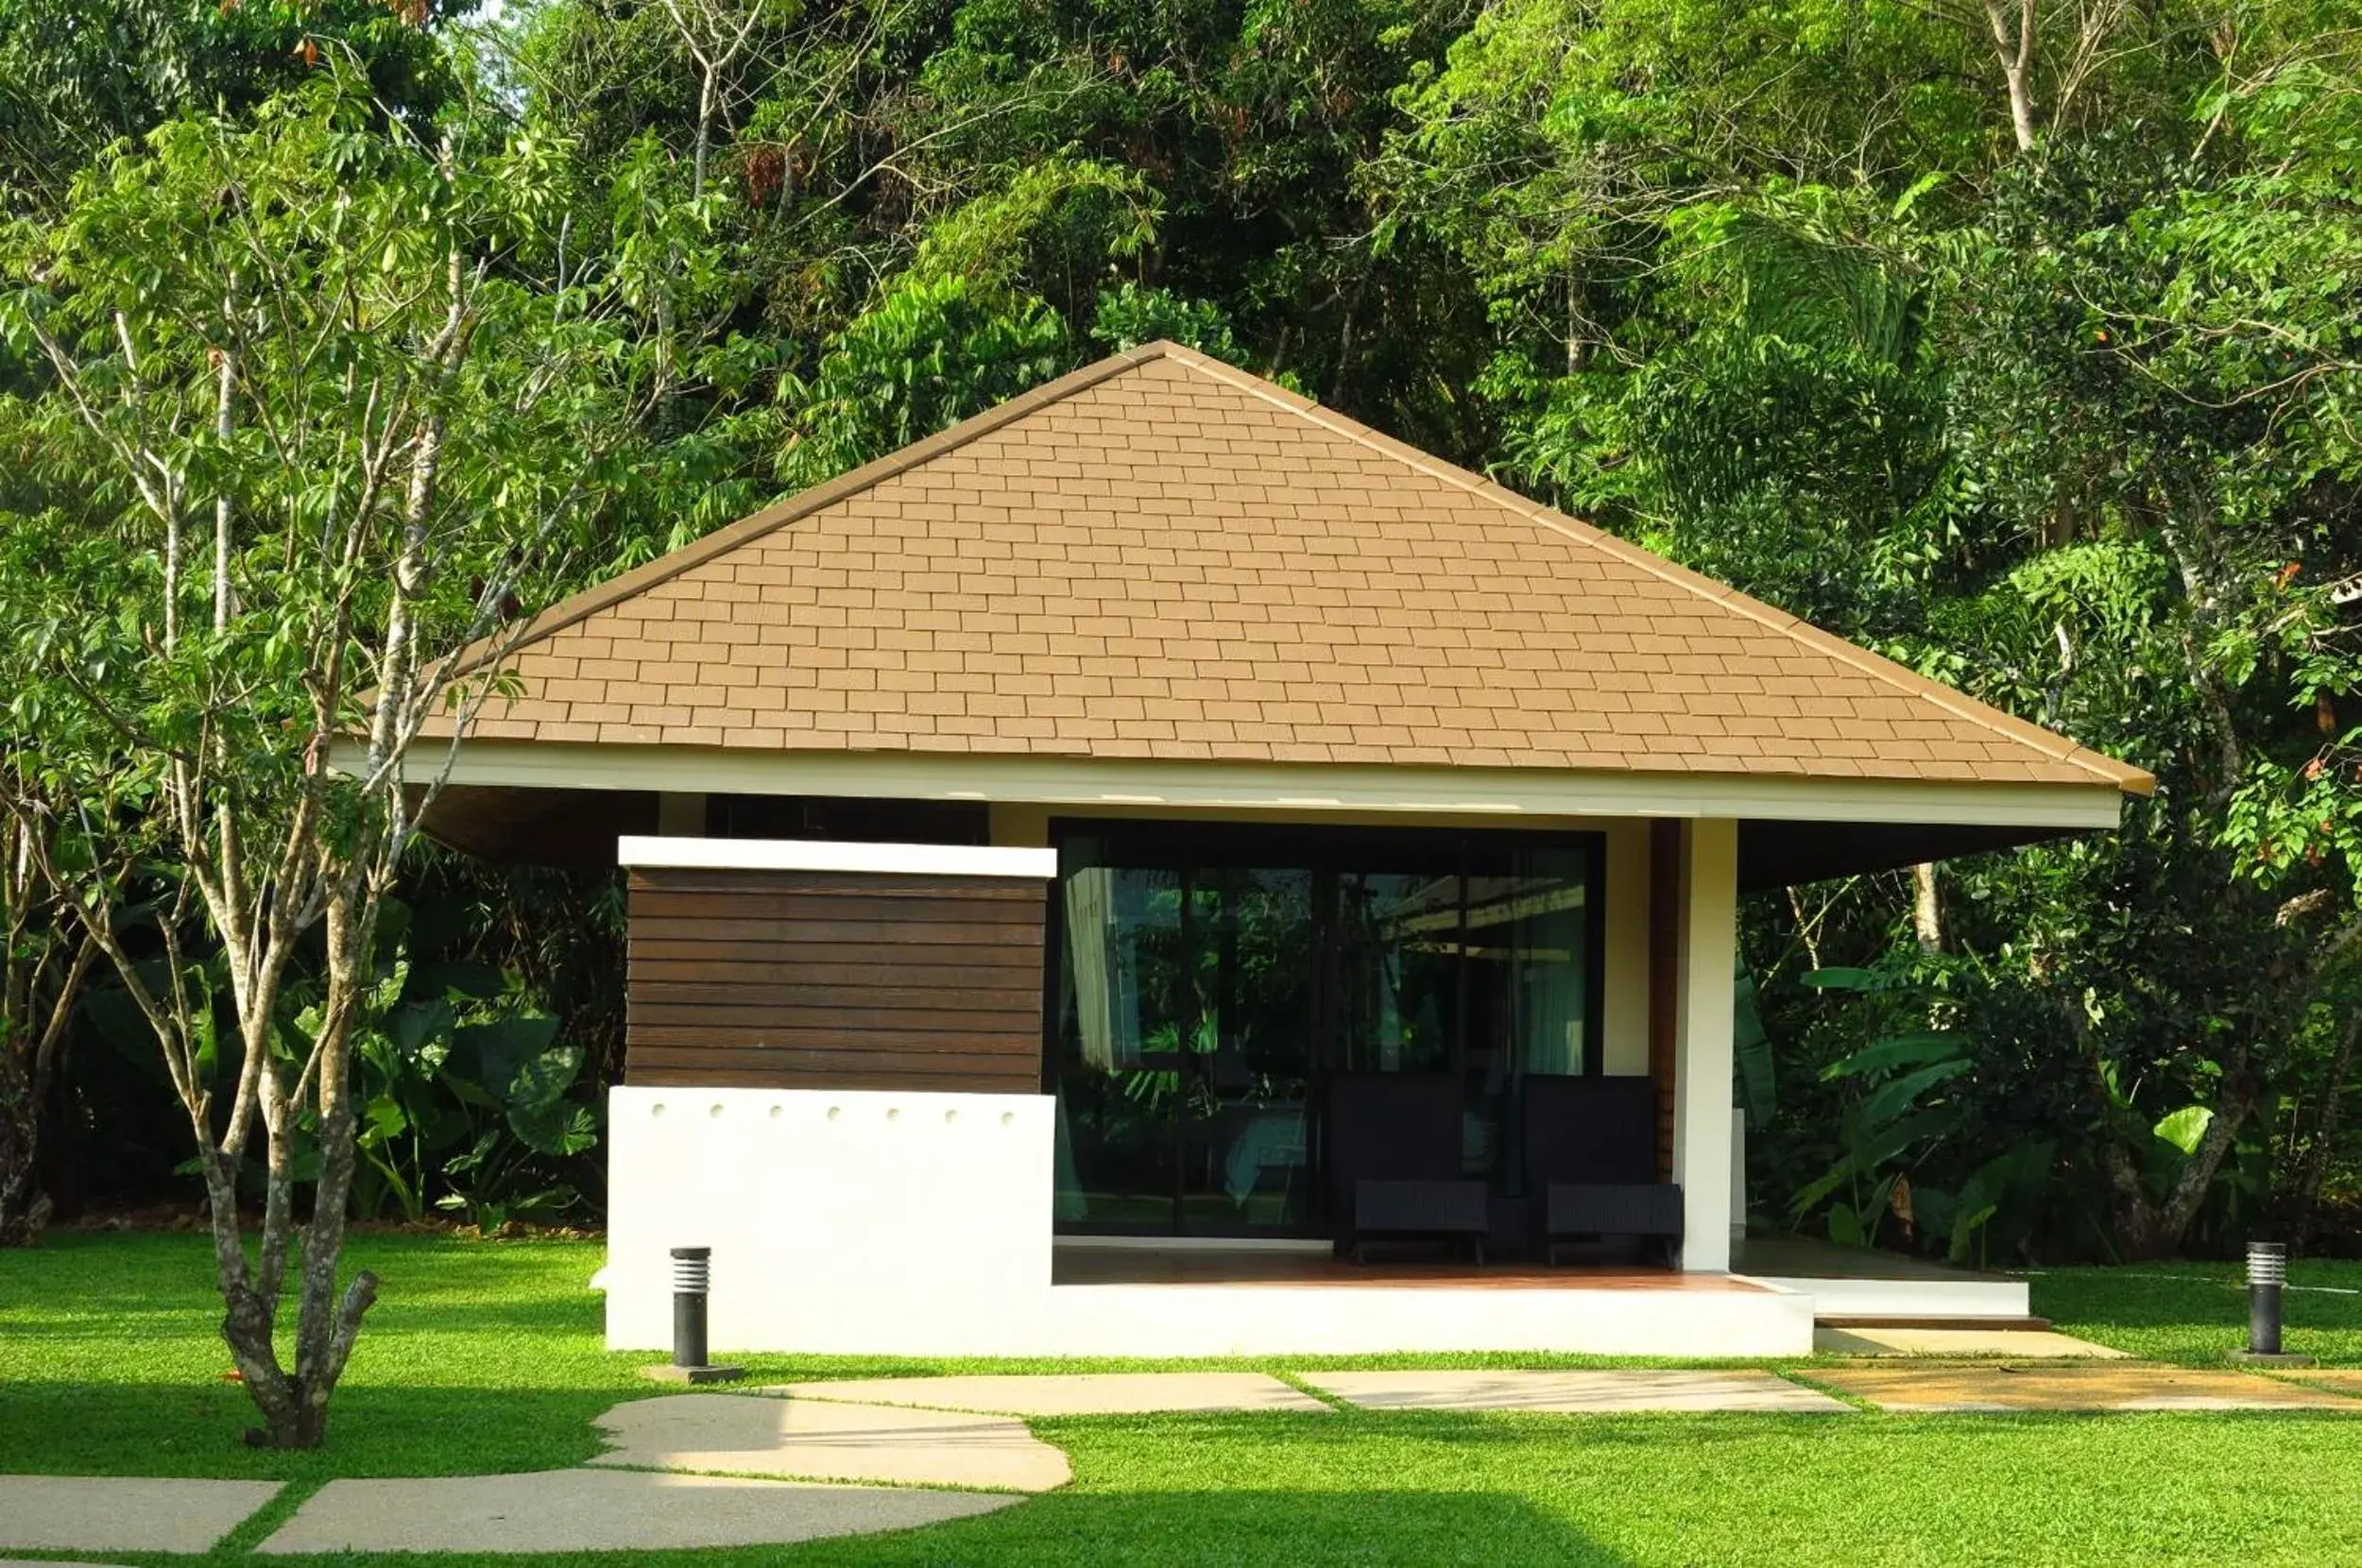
(913, 859)
(1300, 788)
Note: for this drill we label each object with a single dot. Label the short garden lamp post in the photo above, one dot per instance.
(2267, 1271)
(2266, 1275)
(693, 1282)
(692, 1278)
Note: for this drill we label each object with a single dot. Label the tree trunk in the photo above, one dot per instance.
(21, 1209)
(1926, 909)
(225, 391)
(2155, 1229)
(2315, 1170)
(32, 1042)
(326, 1323)
(706, 91)
(2016, 55)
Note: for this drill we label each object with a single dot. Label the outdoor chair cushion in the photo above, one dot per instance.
(1450, 1208)
(1588, 1130)
(1649, 1210)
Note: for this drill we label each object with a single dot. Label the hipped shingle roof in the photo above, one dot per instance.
(1160, 557)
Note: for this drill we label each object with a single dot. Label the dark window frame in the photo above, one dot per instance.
(1193, 846)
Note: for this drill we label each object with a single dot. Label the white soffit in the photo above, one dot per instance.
(1300, 788)
(913, 859)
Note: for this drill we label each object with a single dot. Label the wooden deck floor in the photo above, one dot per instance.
(1087, 1265)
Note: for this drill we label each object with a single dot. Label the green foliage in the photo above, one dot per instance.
(1769, 288)
(1898, 1104)
(76, 74)
(469, 1100)
(931, 353)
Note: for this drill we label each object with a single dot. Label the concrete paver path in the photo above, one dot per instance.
(1072, 1393)
(2112, 1386)
(819, 1440)
(602, 1510)
(2020, 1342)
(109, 1513)
(1574, 1393)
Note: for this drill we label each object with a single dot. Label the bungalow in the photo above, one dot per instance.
(1161, 868)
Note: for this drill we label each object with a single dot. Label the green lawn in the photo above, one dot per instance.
(486, 1356)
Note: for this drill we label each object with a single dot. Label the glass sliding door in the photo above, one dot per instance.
(1208, 978)
(1183, 1064)
(1126, 997)
(1243, 1114)
(1530, 954)
(1395, 973)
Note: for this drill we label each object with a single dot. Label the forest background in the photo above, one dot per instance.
(2020, 340)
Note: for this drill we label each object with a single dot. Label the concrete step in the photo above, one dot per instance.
(2028, 1324)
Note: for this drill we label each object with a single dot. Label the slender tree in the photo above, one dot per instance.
(317, 417)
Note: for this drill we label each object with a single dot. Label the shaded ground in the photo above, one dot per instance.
(484, 1356)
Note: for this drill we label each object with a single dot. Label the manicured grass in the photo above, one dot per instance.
(486, 1356)
(2194, 1312)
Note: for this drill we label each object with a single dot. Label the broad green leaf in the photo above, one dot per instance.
(2184, 1129)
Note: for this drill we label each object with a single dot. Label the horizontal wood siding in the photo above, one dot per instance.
(792, 979)
(1665, 938)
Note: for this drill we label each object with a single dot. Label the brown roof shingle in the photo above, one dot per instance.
(1161, 556)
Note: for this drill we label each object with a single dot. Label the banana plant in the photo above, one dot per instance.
(1896, 1107)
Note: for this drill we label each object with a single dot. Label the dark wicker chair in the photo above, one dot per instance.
(1591, 1164)
(1395, 1162)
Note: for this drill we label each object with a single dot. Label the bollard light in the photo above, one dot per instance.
(693, 1277)
(2266, 1272)
(2267, 1277)
(692, 1284)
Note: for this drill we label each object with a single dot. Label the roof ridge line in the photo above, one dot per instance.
(801, 503)
(1984, 715)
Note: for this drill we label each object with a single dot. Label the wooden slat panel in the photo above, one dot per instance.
(739, 906)
(767, 1078)
(727, 1011)
(884, 1066)
(795, 974)
(855, 994)
(968, 1038)
(800, 930)
(806, 979)
(1022, 889)
(863, 955)
(1665, 901)
(910, 1082)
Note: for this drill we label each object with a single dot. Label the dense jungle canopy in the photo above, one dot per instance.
(2018, 339)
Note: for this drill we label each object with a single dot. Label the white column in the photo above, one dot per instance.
(1701, 1041)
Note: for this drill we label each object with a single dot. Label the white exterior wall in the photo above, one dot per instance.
(840, 1220)
(1701, 1041)
(919, 1224)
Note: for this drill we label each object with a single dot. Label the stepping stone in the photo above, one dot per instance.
(602, 1510)
(1574, 1393)
(817, 1439)
(2018, 1342)
(1073, 1394)
(110, 1513)
(2130, 1386)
